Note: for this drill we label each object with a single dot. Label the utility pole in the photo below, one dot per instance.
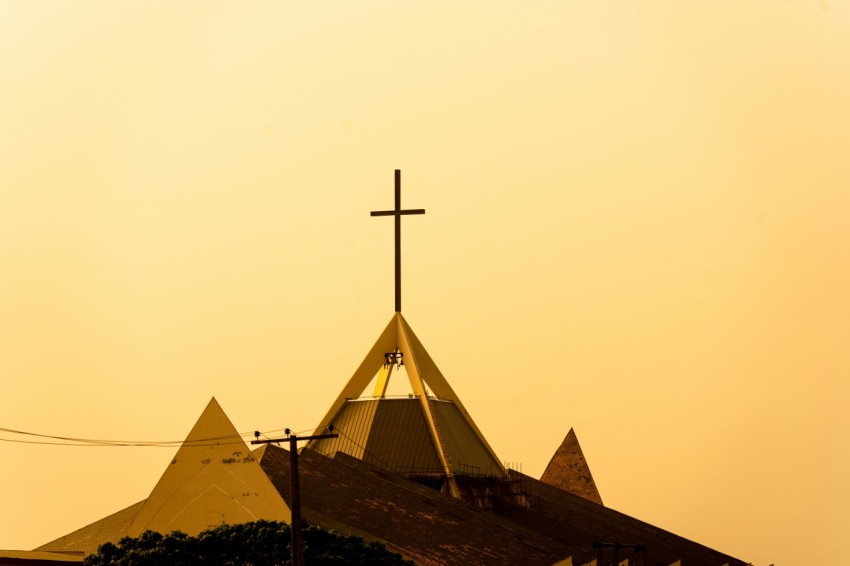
(295, 487)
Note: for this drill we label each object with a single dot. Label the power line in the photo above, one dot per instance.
(56, 440)
(122, 444)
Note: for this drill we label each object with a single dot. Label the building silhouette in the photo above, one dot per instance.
(414, 473)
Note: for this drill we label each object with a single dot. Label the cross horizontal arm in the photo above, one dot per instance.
(397, 212)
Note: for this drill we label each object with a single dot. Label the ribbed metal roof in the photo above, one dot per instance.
(389, 433)
(353, 423)
(392, 434)
(400, 438)
(464, 450)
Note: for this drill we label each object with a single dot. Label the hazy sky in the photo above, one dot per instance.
(637, 226)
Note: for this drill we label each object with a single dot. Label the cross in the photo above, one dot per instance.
(397, 212)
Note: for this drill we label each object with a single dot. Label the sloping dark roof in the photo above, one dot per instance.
(88, 538)
(515, 519)
(36, 558)
(568, 470)
(425, 525)
(350, 496)
(346, 494)
(579, 523)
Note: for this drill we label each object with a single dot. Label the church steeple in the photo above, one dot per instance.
(431, 432)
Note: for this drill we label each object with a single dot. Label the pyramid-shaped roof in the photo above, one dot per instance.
(212, 480)
(568, 470)
(429, 431)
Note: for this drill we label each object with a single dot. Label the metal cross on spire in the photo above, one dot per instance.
(397, 212)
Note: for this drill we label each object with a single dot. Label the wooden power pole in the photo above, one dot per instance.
(295, 488)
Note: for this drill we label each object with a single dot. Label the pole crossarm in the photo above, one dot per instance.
(291, 436)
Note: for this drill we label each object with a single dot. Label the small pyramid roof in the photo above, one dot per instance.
(568, 470)
(213, 480)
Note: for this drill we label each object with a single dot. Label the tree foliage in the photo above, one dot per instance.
(262, 543)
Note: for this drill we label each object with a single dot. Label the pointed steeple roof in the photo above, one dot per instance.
(432, 419)
(568, 470)
(212, 480)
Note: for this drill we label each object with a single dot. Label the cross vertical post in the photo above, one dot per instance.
(398, 240)
(397, 212)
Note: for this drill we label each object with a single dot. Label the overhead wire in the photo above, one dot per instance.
(57, 440)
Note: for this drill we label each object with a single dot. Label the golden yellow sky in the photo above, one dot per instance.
(636, 226)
